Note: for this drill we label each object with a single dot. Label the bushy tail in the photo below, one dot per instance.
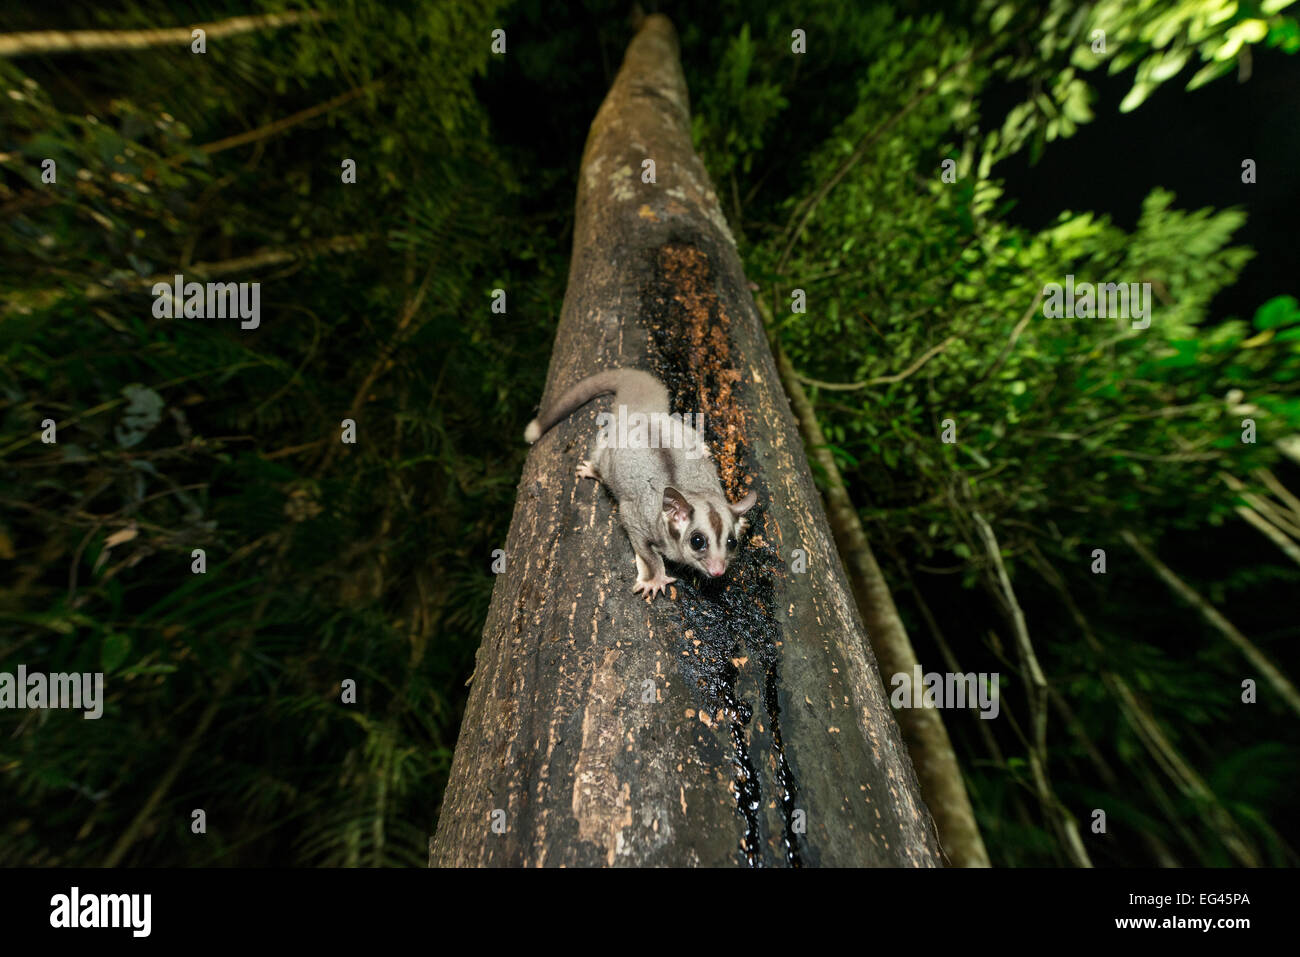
(633, 387)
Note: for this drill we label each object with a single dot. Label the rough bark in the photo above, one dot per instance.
(739, 721)
(923, 729)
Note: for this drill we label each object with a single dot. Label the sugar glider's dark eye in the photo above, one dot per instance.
(697, 542)
(731, 541)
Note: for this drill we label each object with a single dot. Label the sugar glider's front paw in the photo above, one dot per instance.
(585, 470)
(650, 587)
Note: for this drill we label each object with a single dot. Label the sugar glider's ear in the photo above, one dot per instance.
(744, 505)
(677, 510)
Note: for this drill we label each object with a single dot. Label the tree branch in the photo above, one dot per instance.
(279, 126)
(86, 41)
(878, 380)
(1285, 689)
(1065, 823)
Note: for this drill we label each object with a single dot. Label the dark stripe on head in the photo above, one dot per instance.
(716, 521)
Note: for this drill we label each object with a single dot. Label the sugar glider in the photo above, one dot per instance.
(670, 501)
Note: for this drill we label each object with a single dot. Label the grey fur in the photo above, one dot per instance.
(666, 498)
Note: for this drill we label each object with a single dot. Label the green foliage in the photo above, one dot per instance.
(324, 562)
(1067, 430)
(1156, 39)
(741, 110)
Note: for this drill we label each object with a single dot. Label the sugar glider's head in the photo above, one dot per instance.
(704, 530)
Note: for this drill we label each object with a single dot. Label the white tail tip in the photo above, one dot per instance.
(533, 432)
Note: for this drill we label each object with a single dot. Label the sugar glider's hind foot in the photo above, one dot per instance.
(587, 470)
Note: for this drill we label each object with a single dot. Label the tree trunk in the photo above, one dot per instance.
(923, 728)
(739, 721)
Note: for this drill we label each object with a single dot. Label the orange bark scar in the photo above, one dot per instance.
(706, 323)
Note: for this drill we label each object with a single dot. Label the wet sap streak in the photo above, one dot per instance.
(733, 618)
(784, 775)
(722, 624)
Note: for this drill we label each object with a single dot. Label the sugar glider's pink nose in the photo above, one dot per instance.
(715, 569)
